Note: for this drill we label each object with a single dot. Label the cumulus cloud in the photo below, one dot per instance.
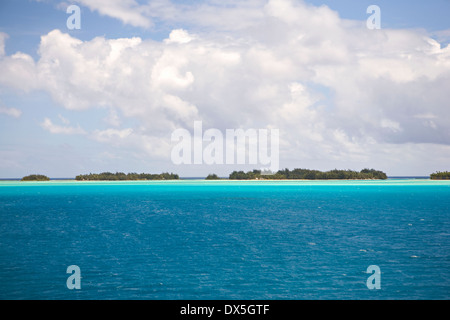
(19, 71)
(334, 88)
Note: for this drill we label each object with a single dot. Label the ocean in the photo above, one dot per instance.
(211, 240)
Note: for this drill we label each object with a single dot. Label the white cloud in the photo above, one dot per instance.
(48, 125)
(64, 120)
(128, 11)
(12, 112)
(442, 35)
(111, 135)
(333, 87)
(134, 142)
(113, 118)
(179, 36)
(19, 71)
(392, 125)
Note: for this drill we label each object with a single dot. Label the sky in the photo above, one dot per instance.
(109, 95)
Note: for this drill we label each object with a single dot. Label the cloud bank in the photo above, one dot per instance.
(337, 91)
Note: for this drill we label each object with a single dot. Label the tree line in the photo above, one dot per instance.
(35, 177)
(286, 174)
(440, 175)
(307, 174)
(120, 176)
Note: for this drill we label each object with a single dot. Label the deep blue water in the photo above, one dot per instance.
(223, 240)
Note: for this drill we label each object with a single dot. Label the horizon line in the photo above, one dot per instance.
(203, 177)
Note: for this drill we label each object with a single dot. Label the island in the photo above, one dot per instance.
(306, 174)
(120, 176)
(440, 175)
(35, 177)
(212, 176)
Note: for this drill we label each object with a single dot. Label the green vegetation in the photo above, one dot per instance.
(440, 175)
(212, 177)
(251, 175)
(286, 174)
(120, 176)
(36, 177)
(306, 174)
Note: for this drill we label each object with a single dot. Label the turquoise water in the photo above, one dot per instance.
(225, 240)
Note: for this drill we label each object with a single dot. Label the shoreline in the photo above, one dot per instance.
(213, 181)
(223, 179)
(224, 182)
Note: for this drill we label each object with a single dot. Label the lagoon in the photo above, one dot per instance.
(196, 239)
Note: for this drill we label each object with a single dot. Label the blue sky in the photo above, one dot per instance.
(26, 20)
(341, 96)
